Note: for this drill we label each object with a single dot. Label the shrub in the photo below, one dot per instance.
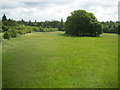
(0, 29)
(28, 29)
(50, 29)
(5, 28)
(7, 35)
(13, 32)
(41, 29)
(35, 29)
(20, 32)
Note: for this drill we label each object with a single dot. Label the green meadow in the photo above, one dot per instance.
(57, 60)
(0, 61)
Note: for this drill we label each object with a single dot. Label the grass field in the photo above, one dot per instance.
(0, 61)
(55, 60)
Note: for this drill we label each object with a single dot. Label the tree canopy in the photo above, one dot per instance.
(82, 23)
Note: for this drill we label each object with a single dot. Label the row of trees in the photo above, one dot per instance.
(41, 29)
(46, 24)
(80, 23)
(14, 31)
(12, 28)
(110, 27)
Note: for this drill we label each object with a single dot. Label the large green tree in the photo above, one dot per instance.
(82, 23)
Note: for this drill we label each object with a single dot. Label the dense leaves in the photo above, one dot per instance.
(5, 28)
(12, 28)
(110, 27)
(119, 29)
(7, 35)
(79, 23)
(82, 23)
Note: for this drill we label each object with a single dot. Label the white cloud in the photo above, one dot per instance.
(55, 9)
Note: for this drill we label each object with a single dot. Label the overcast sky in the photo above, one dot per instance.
(41, 10)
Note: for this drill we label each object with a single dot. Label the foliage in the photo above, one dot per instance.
(20, 32)
(119, 29)
(82, 23)
(5, 28)
(50, 29)
(7, 35)
(110, 27)
(4, 18)
(13, 32)
(95, 29)
(36, 29)
(79, 23)
(0, 29)
(41, 29)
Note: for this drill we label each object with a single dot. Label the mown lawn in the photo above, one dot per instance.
(55, 60)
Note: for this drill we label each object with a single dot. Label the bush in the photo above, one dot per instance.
(28, 29)
(50, 29)
(35, 29)
(0, 29)
(7, 35)
(13, 32)
(20, 32)
(41, 29)
(5, 28)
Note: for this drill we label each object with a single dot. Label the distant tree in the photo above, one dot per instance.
(110, 27)
(61, 24)
(82, 23)
(105, 28)
(35, 23)
(9, 19)
(4, 18)
(22, 20)
(29, 23)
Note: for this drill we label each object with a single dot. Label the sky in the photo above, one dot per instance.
(41, 10)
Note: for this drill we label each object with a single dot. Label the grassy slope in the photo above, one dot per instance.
(51, 59)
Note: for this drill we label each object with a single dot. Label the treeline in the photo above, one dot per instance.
(11, 28)
(110, 27)
(46, 24)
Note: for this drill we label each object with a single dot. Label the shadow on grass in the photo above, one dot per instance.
(67, 35)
